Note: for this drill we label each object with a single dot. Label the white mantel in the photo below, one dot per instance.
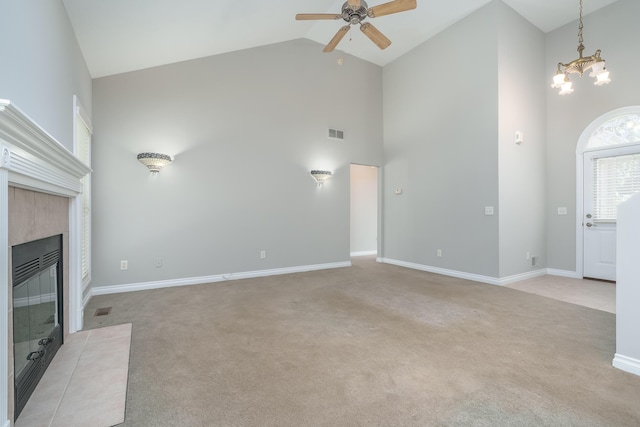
(32, 159)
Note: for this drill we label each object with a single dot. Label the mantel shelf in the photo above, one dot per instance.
(35, 160)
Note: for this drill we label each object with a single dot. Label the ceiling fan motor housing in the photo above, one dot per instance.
(352, 15)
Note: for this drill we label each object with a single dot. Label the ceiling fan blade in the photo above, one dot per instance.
(336, 39)
(375, 35)
(355, 4)
(392, 7)
(316, 16)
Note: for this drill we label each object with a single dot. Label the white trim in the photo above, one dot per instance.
(4, 297)
(445, 272)
(364, 253)
(563, 273)
(522, 276)
(34, 159)
(502, 281)
(143, 286)
(81, 113)
(75, 277)
(86, 300)
(581, 148)
(627, 364)
(77, 284)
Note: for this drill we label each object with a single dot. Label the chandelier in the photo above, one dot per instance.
(579, 66)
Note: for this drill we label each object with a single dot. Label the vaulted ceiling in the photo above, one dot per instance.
(117, 36)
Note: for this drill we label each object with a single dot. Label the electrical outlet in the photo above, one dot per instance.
(263, 254)
(158, 262)
(124, 264)
(439, 252)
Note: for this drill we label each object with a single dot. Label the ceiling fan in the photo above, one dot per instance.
(356, 11)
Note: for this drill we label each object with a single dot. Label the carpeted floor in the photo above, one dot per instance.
(369, 345)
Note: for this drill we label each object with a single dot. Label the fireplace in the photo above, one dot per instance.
(37, 312)
(40, 191)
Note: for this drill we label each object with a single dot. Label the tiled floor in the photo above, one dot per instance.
(588, 293)
(89, 383)
(86, 383)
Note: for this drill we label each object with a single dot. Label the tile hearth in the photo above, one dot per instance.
(86, 383)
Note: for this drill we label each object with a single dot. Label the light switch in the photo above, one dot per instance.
(562, 211)
(488, 210)
(398, 191)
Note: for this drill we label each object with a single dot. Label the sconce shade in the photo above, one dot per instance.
(154, 161)
(320, 176)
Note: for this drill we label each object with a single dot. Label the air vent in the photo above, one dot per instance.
(336, 134)
(102, 311)
(25, 271)
(50, 258)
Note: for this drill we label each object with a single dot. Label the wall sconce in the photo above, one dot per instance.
(320, 176)
(154, 161)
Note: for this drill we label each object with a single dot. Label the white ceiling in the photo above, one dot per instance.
(117, 36)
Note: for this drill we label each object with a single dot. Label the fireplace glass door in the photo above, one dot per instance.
(35, 317)
(37, 308)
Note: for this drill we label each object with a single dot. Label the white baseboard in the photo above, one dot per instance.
(500, 281)
(364, 253)
(142, 286)
(563, 273)
(522, 276)
(443, 271)
(627, 364)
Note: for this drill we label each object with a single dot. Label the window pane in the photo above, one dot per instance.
(621, 130)
(616, 179)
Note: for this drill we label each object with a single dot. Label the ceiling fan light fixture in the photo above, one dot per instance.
(355, 12)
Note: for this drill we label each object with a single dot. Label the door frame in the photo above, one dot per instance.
(379, 206)
(581, 148)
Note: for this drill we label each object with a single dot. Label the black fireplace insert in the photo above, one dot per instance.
(37, 312)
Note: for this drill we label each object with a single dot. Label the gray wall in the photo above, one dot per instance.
(452, 106)
(42, 66)
(245, 129)
(627, 289)
(615, 30)
(441, 148)
(522, 80)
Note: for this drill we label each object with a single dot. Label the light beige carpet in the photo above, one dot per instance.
(369, 345)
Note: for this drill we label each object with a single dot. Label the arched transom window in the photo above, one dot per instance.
(620, 130)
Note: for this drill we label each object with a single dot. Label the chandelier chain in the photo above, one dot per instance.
(580, 27)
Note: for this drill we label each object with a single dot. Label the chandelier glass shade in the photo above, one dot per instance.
(581, 65)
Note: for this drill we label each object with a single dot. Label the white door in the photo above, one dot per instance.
(610, 177)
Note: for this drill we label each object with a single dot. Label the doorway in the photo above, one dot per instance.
(608, 173)
(364, 210)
